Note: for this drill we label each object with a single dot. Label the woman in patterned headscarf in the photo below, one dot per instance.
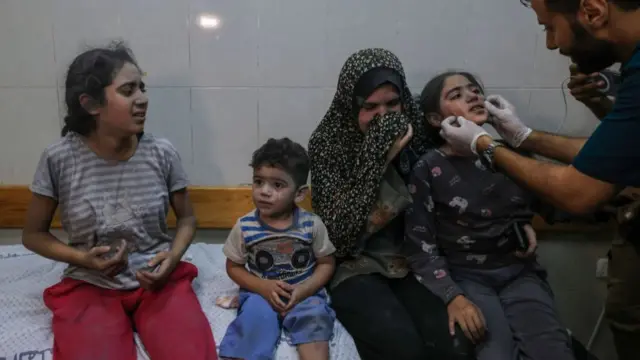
(361, 155)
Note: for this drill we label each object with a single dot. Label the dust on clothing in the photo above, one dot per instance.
(103, 202)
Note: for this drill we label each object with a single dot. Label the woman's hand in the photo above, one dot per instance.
(97, 259)
(399, 144)
(533, 242)
(159, 270)
(468, 316)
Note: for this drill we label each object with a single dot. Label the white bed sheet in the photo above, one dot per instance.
(25, 323)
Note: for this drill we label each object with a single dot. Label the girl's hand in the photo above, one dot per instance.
(468, 316)
(533, 242)
(97, 259)
(158, 271)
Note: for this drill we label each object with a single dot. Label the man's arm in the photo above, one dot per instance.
(607, 161)
(587, 90)
(557, 147)
(562, 186)
(505, 120)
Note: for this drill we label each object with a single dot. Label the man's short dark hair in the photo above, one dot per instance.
(284, 154)
(572, 6)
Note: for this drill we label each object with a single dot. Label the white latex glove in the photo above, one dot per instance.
(505, 120)
(461, 134)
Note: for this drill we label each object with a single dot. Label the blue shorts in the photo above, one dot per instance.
(255, 332)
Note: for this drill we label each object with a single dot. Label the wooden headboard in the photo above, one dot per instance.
(215, 208)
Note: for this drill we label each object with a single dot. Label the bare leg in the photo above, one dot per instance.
(314, 351)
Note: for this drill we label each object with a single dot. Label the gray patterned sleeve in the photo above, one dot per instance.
(428, 265)
(176, 176)
(45, 181)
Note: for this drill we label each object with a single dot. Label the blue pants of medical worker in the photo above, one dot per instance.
(255, 332)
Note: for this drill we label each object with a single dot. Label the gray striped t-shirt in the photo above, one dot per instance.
(101, 202)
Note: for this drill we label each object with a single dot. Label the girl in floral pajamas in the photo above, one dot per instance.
(466, 223)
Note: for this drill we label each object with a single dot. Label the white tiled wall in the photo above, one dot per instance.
(268, 70)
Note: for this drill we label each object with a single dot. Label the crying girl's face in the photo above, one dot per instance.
(462, 97)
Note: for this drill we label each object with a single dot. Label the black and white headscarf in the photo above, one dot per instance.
(346, 164)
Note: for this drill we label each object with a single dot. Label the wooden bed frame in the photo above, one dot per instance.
(215, 208)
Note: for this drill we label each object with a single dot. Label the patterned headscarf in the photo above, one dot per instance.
(346, 164)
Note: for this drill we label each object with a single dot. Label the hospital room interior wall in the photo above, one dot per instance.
(268, 69)
(225, 75)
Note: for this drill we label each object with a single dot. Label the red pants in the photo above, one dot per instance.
(90, 322)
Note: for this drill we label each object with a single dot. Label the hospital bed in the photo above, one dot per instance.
(25, 322)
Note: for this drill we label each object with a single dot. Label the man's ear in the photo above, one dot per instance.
(301, 193)
(89, 104)
(594, 13)
(434, 119)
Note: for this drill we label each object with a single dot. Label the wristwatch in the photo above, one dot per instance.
(486, 156)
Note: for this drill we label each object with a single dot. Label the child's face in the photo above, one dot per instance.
(383, 100)
(460, 97)
(274, 191)
(125, 108)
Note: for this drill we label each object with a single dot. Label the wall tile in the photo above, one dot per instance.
(293, 113)
(292, 48)
(169, 116)
(549, 112)
(30, 123)
(158, 31)
(82, 24)
(27, 56)
(225, 134)
(226, 55)
(428, 41)
(359, 24)
(490, 40)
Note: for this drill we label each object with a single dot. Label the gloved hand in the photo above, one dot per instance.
(462, 135)
(505, 120)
